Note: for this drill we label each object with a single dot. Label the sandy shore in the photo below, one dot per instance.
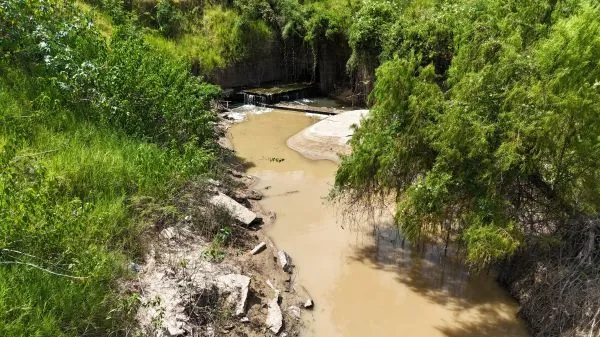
(328, 138)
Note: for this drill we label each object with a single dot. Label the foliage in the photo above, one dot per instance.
(232, 35)
(169, 18)
(85, 127)
(473, 148)
(215, 251)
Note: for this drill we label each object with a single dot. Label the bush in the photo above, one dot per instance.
(169, 18)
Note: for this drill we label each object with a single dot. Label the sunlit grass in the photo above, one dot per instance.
(75, 218)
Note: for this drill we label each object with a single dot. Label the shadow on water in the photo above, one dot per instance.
(483, 326)
(239, 163)
(443, 280)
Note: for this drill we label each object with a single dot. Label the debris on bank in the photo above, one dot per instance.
(183, 293)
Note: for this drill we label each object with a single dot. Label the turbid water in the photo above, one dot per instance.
(364, 282)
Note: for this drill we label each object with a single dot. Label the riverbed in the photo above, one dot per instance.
(365, 280)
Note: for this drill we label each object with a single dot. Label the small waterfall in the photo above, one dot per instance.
(258, 100)
(262, 97)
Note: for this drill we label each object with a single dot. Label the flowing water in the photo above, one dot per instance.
(364, 282)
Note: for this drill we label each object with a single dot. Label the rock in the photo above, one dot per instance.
(235, 173)
(135, 267)
(237, 210)
(258, 248)
(308, 304)
(174, 330)
(167, 233)
(294, 311)
(274, 316)
(285, 261)
(277, 292)
(213, 182)
(236, 286)
(245, 319)
(248, 194)
(210, 331)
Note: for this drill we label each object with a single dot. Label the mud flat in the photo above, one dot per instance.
(327, 138)
(364, 280)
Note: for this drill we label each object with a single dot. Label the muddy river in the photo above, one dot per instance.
(364, 282)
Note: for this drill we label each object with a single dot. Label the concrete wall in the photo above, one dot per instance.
(274, 62)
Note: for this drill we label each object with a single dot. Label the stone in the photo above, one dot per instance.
(237, 210)
(245, 319)
(174, 330)
(236, 286)
(294, 311)
(135, 267)
(248, 194)
(213, 182)
(275, 290)
(285, 261)
(181, 317)
(274, 316)
(210, 331)
(308, 304)
(258, 248)
(168, 233)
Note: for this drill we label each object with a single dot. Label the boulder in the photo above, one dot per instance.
(274, 316)
(237, 210)
(308, 304)
(236, 286)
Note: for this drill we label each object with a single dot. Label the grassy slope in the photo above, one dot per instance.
(65, 198)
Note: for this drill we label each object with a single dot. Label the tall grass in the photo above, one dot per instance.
(65, 188)
(85, 129)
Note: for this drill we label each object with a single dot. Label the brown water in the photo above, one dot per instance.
(364, 282)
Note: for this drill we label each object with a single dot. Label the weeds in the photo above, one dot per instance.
(216, 251)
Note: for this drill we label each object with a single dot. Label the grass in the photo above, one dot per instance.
(101, 19)
(65, 204)
(189, 47)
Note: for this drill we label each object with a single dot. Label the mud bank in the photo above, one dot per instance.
(236, 282)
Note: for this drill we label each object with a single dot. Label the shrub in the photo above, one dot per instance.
(169, 18)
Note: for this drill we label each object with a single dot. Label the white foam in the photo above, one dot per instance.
(251, 109)
(314, 115)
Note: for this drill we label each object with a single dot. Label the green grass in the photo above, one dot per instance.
(189, 47)
(64, 198)
(101, 19)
